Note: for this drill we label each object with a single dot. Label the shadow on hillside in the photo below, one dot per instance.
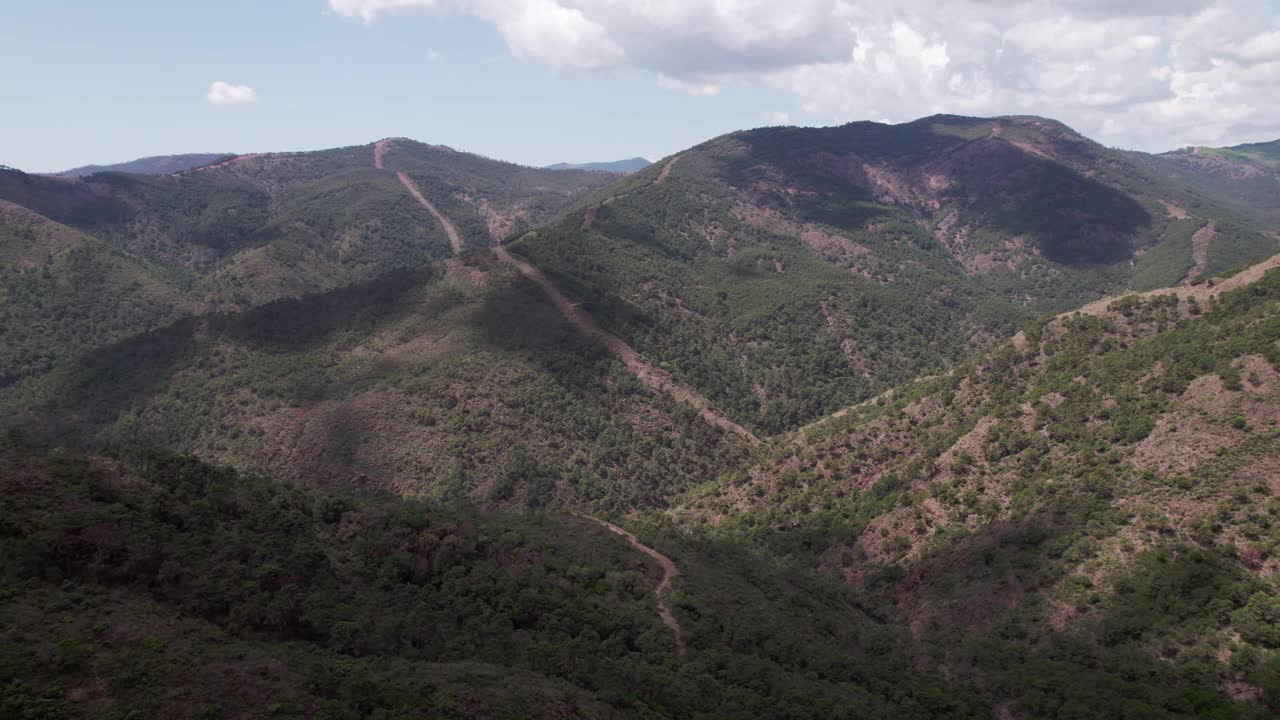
(517, 317)
(296, 325)
(76, 203)
(1075, 220)
(981, 603)
(96, 390)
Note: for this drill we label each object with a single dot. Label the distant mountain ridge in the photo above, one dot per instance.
(635, 164)
(154, 165)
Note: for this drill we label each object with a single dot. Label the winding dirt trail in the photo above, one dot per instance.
(666, 170)
(669, 572)
(656, 379)
(455, 240)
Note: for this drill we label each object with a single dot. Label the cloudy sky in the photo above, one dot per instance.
(540, 81)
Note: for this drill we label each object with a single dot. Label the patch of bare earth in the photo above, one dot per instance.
(666, 170)
(501, 224)
(1176, 212)
(1200, 250)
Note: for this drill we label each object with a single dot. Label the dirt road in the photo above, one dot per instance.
(669, 573)
(666, 170)
(455, 240)
(656, 379)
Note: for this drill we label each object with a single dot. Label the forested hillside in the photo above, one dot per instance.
(233, 235)
(157, 586)
(327, 434)
(1083, 519)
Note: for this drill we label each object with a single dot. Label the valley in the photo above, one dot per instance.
(962, 417)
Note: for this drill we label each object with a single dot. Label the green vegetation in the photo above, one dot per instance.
(1088, 524)
(1081, 522)
(169, 587)
(417, 381)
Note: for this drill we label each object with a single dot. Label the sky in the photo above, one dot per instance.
(543, 81)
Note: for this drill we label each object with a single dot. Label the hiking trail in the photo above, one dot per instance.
(669, 573)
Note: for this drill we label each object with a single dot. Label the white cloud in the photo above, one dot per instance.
(433, 54)
(777, 118)
(697, 89)
(1145, 73)
(224, 93)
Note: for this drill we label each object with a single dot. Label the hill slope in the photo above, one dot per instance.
(155, 165)
(786, 272)
(761, 280)
(258, 228)
(1052, 518)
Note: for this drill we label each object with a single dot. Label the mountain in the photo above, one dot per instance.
(760, 281)
(254, 229)
(617, 166)
(156, 165)
(964, 417)
(64, 293)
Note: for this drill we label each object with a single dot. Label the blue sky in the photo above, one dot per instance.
(107, 82)
(542, 81)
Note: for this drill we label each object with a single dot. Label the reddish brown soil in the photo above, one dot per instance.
(379, 149)
(1200, 249)
(669, 573)
(666, 170)
(656, 379)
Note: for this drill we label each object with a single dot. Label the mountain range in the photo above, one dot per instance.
(962, 417)
(617, 166)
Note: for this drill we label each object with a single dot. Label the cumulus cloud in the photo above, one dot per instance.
(224, 93)
(1141, 73)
